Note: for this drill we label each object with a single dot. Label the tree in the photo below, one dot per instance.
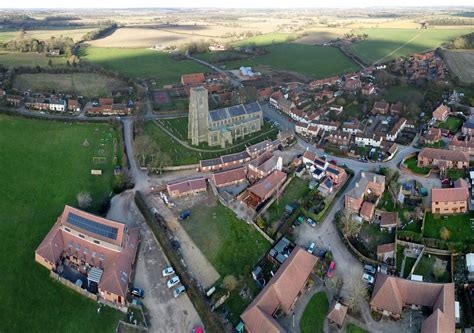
(84, 200)
(356, 291)
(50, 63)
(230, 283)
(349, 227)
(444, 233)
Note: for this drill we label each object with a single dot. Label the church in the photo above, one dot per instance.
(220, 127)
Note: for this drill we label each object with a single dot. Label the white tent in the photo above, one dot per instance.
(470, 262)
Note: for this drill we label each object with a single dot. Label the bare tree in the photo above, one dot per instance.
(349, 226)
(230, 282)
(357, 291)
(84, 199)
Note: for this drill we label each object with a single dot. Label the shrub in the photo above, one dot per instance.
(444, 233)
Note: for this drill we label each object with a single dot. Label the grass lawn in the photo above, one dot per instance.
(399, 256)
(85, 84)
(297, 189)
(352, 328)
(44, 168)
(426, 268)
(143, 63)
(386, 44)
(181, 155)
(458, 225)
(231, 245)
(455, 174)
(411, 164)
(409, 262)
(16, 59)
(440, 144)
(314, 314)
(453, 124)
(313, 61)
(403, 93)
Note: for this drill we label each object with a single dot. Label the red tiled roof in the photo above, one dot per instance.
(392, 293)
(367, 209)
(280, 293)
(188, 185)
(268, 184)
(192, 79)
(443, 154)
(449, 194)
(388, 219)
(229, 176)
(385, 248)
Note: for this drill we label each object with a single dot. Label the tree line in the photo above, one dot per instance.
(23, 42)
(463, 42)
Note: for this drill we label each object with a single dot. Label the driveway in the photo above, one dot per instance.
(164, 312)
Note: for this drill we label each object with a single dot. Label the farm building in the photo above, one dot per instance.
(92, 252)
(185, 187)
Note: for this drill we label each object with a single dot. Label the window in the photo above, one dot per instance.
(78, 247)
(82, 236)
(67, 229)
(96, 241)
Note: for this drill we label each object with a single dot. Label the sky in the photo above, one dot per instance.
(227, 4)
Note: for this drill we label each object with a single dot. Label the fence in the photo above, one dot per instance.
(71, 285)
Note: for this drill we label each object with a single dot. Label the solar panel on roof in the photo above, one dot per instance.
(252, 107)
(218, 114)
(334, 171)
(92, 226)
(236, 110)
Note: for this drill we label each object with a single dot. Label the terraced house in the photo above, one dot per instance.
(95, 254)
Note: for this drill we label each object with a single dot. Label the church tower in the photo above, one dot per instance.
(198, 115)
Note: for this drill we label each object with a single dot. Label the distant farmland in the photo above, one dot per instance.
(312, 61)
(143, 63)
(28, 59)
(461, 63)
(44, 34)
(383, 45)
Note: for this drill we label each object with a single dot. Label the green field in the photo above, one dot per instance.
(28, 59)
(231, 245)
(403, 93)
(43, 168)
(85, 84)
(459, 227)
(313, 61)
(383, 45)
(297, 189)
(44, 34)
(143, 63)
(314, 314)
(266, 39)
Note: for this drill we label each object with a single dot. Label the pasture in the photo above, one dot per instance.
(315, 36)
(43, 169)
(85, 84)
(266, 39)
(75, 34)
(143, 63)
(461, 64)
(312, 61)
(383, 45)
(16, 59)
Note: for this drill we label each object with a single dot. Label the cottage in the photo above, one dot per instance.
(388, 220)
(186, 187)
(192, 79)
(368, 184)
(468, 127)
(73, 105)
(339, 138)
(443, 159)
(263, 189)
(229, 177)
(380, 107)
(432, 136)
(386, 252)
(450, 200)
(441, 113)
(397, 128)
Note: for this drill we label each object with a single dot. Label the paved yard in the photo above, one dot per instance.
(165, 313)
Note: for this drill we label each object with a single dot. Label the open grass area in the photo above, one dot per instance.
(297, 189)
(313, 61)
(352, 328)
(143, 63)
(16, 59)
(409, 263)
(403, 93)
(432, 270)
(44, 34)
(453, 124)
(412, 164)
(383, 45)
(461, 63)
(314, 314)
(43, 168)
(231, 245)
(84, 84)
(455, 174)
(459, 227)
(181, 155)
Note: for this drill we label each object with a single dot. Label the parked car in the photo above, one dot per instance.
(369, 269)
(173, 282)
(368, 278)
(178, 291)
(168, 271)
(136, 302)
(310, 222)
(331, 269)
(311, 248)
(138, 292)
(184, 215)
(197, 329)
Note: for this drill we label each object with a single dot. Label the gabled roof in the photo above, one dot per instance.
(280, 293)
(338, 314)
(268, 184)
(443, 154)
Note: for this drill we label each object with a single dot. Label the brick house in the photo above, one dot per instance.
(192, 79)
(443, 159)
(432, 136)
(339, 138)
(441, 113)
(450, 200)
(380, 107)
(186, 187)
(368, 183)
(468, 127)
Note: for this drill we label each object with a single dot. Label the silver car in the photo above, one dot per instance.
(173, 282)
(178, 291)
